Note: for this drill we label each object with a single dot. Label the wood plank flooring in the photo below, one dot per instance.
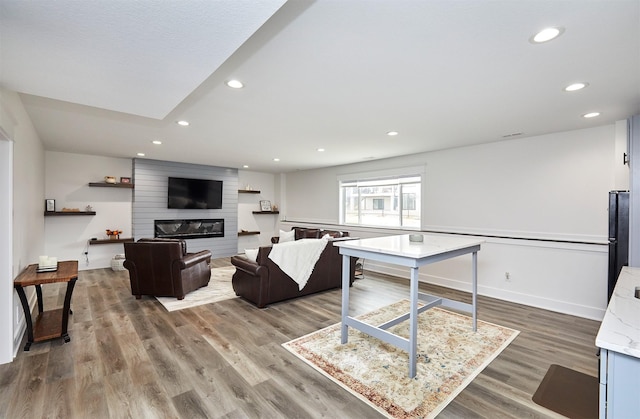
(131, 358)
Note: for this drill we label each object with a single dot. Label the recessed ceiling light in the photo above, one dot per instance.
(276, 159)
(235, 84)
(392, 133)
(183, 123)
(575, 86)
(140, 154)
(591, 115)
(320, 150)
(245, 166)
(156, 142)
(546, 35)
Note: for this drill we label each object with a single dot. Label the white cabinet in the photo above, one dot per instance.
(619, 385)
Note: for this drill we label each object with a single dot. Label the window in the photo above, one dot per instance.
(389, 201)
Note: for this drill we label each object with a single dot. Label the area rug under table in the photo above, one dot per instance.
(450, 355)
(218, 289)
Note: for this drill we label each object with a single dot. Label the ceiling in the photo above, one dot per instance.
(107, 78)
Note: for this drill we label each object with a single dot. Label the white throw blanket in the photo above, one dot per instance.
(297, 258)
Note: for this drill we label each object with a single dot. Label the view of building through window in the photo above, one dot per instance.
(388, 202)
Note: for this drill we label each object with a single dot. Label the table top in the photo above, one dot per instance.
(620, 328)
(401, 246)
(67, 270)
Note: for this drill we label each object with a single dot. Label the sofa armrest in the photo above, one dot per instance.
(191, 259)
(246, 265)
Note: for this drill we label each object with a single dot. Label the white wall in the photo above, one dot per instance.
(621, 172)
(6, 246)
(27, 217)
(551, 188)
(67, 236)
(67, 181)
(266, 224)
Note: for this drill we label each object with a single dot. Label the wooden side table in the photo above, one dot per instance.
(49, 324)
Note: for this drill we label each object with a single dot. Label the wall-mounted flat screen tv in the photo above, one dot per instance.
(194, 193)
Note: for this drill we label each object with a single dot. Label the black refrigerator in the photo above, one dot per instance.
(618, 236)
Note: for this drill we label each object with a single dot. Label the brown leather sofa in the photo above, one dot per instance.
(262, 282)
(313, 233)
(163, 268)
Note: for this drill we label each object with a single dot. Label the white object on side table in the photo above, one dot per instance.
(47, 264)
(400, 250)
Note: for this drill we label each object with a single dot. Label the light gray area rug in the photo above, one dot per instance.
(219, 289)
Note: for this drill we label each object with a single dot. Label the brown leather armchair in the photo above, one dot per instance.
(163, 268)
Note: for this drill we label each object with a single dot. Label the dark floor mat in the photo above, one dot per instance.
(568, 392)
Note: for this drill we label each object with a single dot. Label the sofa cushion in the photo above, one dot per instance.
(333, 233)
(287, 236)
(251, 254)
(307, 233)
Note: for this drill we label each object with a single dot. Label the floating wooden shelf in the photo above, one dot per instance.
(247, 191)
(248, 233)
(109, 241)
(50, 213)
(111, 185)
(266, 212)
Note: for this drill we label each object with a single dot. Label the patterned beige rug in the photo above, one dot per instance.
(219, 289)
(450, 355)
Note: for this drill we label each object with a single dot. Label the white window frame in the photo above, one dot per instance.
(354, 178)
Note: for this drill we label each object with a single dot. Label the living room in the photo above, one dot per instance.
(539, 201)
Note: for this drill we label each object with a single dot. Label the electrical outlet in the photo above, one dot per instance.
(507, 276)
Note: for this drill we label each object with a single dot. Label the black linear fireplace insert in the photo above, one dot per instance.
(189, 229)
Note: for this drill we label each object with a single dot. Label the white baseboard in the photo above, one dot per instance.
(22, 326)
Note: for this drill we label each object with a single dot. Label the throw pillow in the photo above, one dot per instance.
(287, 236)
(251, 254)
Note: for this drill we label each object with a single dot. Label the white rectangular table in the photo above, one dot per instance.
(400, 251)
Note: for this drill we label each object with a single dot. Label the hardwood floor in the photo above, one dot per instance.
(131, 358)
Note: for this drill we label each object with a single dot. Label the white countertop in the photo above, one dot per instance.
(620, 328)
(401, 246)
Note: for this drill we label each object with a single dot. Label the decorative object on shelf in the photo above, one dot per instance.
(110, 179)
(265, 205)
(274, 207)
(88, 208)
(248, 188)
(114, 234)
(125, 180)
(50, 205)
(65, 209)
